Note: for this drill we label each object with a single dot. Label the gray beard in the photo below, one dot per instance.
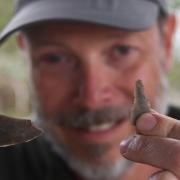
(106, 171)
(102, 171)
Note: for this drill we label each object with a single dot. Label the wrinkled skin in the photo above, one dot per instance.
(78, 68)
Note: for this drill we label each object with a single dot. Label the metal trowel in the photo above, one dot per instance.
(15, 131)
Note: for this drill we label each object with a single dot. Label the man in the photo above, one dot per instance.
(85, 57)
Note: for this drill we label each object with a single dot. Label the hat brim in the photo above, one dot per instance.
(133, 15)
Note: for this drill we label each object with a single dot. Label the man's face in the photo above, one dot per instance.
(83, 79)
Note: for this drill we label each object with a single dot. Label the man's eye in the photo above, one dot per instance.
(53, 58)
(123, 56)
(56, 60)
(123, 50)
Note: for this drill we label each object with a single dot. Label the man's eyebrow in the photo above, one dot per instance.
(50, 43)
(126, 34)
(118, 35)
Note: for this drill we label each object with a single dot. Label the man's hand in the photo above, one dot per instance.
(157, 143)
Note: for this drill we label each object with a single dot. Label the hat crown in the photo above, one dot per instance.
(22, 3)
(136, 15)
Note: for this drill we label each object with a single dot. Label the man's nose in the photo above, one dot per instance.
(96, 89)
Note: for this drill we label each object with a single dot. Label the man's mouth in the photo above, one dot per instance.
(100, 133)
(101, 127)
(92, 126)
(94, 121)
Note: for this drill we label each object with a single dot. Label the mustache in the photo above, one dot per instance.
(84, 119)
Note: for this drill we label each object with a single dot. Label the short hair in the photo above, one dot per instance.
(162, 19)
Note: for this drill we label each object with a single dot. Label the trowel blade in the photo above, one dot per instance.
(15, 131)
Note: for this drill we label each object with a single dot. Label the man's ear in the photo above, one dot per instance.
(168, 33)
(20, 39)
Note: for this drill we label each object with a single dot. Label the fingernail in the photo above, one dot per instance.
(124, 145)
(146, 122)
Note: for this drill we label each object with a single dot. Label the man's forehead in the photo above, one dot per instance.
(67, 31)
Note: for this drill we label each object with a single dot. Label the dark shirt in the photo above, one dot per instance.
(36, 161)
(32, 161)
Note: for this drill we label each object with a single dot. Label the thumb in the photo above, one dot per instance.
(163, 175)
(156, 124)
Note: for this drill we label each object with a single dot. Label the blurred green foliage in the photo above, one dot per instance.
(175, 4)
(6, 12)
(174, 75)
